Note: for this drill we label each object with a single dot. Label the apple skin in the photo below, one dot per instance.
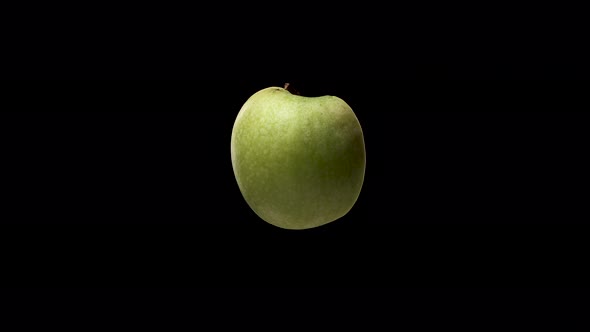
(299, 161)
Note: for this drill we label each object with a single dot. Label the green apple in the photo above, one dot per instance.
(299, 161)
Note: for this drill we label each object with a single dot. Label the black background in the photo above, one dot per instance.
(115, 132)
(130, 184)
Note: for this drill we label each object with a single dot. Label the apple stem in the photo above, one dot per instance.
(291, 89)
